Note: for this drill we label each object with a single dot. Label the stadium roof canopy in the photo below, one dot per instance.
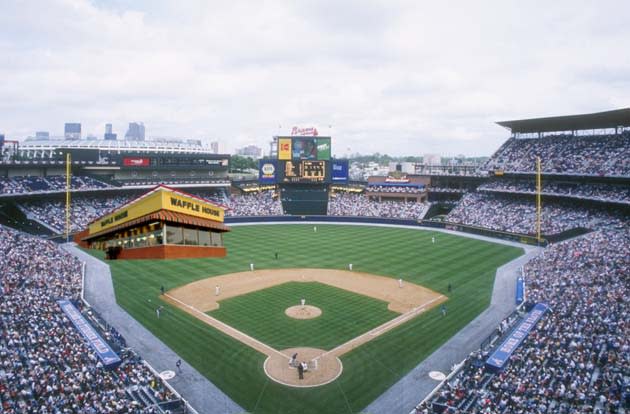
(598, 120)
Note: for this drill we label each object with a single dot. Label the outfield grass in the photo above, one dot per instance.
(468, 264)
(345, 315)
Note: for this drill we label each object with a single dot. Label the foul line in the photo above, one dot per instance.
(227, 329)
(379, 330)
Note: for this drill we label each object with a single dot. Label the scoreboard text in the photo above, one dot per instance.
(305, 171)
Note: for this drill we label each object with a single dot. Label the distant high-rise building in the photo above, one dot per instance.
(250, 151)
(1, 142)
(214, 147)
(72, 130)
(42, 135)
(109, 135)
(135, 132)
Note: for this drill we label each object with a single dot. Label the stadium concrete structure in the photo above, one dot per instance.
(162, 224)
(412, 389)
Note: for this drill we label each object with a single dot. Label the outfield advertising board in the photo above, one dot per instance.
(304, 148)
(136, 161)
(284, 148)
(267, 171)
(340, 171)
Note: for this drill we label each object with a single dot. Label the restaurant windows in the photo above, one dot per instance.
(190, 237)
(174, 235)
(204, 238)
(159, 234)
(217, 239)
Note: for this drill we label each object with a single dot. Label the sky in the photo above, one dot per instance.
(396, 77)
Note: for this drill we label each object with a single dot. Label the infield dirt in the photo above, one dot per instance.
(200, 297)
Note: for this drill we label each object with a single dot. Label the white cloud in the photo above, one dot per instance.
(398, 77)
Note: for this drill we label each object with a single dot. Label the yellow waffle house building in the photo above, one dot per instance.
(164, 223)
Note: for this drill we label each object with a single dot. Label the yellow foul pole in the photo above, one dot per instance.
(68, 185)
(538, 198)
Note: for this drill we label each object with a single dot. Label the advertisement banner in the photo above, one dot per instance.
(267, 171)
(520, 290)
(104, 352)
(284, 149)
(499, 359)
(340, 171)
(136, 162)
(323, 149)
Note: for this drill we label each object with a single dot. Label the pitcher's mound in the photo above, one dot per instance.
(321, 369)
(303, 312)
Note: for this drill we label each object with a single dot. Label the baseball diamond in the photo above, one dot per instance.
(197, 297)
(243, 341)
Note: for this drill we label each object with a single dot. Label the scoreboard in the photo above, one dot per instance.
(301, 160)
(303, 171)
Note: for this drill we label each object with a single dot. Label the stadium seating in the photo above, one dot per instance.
(45, 364)
(54, 183)
(576, 359)
(581, 190)
(505, 213)
(600, 155)
(393, 189)
(84, 210)
(360, 205)
(256, 204)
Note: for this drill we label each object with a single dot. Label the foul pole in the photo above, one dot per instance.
(68, 185)
(538, 198)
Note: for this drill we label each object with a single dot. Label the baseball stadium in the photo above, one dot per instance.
(145, 278)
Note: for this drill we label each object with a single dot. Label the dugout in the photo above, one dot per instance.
(162, 224)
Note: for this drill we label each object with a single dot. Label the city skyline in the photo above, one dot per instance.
(398, 78)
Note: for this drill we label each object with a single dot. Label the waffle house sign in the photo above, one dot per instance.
(159, 199)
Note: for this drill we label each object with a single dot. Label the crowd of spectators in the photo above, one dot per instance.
(606, 155)
(595, 191)
(504, 213)
(346, 204)
(393, 189)
(447, 190)
(257, 204)
(45, 365)
(53, 183)
(174, 182)
(87, 208)
(84, 209)
(577, 359)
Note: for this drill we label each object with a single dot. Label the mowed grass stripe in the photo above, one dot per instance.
(468, 264)
(345, 315)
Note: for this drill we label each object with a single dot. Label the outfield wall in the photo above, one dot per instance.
(519, 238)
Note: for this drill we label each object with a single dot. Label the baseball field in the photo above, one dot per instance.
(366, 327)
